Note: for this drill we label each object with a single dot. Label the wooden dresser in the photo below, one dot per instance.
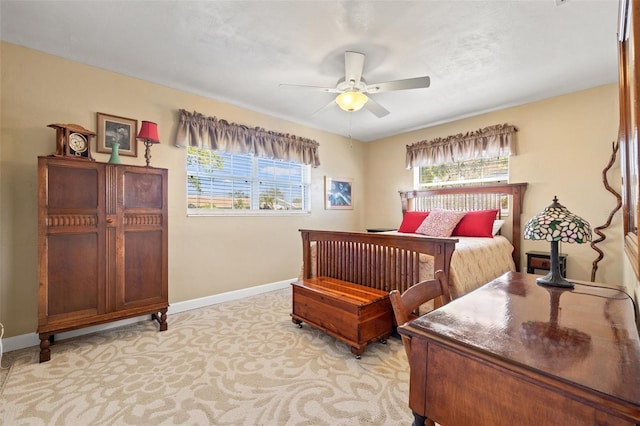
(102, 245)
(515, 353)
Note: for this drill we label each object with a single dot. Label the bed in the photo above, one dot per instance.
(397, 260)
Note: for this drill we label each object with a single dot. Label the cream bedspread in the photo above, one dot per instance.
(474, 262)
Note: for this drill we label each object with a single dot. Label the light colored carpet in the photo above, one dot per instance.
(235, 363)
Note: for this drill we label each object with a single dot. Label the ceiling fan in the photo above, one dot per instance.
(353, 89)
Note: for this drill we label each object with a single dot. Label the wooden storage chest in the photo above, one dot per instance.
(352, 313)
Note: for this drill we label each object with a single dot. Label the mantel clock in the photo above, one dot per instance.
(73, 141)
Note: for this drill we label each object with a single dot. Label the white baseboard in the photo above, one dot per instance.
(31, 339)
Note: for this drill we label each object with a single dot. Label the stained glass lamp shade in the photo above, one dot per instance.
(557, 224)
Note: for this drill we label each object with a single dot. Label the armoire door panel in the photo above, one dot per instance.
(72, 187)
(144, 276)
(142, 191)
(76, 283)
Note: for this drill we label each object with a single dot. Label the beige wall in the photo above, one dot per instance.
(207, 255)
(211, 255)
(563, 144)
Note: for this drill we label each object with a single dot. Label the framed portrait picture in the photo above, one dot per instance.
(112, 128)
(338, 193)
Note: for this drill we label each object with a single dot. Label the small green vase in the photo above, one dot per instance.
(115, 154)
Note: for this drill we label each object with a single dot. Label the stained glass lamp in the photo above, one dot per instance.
(556, 224)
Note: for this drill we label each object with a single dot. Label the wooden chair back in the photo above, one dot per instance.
(405, 305)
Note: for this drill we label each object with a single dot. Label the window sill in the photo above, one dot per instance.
(254, 213)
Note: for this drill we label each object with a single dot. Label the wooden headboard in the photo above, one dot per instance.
(508, 196)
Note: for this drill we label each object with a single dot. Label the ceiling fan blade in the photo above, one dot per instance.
(312, 88)
(353, 66)
(329, 105)
(374, 107)
(408, 83)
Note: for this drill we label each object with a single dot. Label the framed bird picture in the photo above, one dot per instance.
(114, 129)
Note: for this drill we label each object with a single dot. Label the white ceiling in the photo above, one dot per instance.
(480, 55)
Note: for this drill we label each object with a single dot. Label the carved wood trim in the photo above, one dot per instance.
(142, 219)
(60, 220)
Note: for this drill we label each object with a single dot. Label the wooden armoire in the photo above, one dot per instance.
(102, 245)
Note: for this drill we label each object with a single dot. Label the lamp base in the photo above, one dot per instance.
(147, 152)
(554, 277)
(554, 280)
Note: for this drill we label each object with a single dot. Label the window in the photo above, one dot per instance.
(474, 171)
(237, 184)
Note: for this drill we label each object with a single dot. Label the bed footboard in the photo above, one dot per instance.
(381, 261)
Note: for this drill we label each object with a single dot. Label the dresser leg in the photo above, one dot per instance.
(162, 319)
(357, 352)
(419, 420)
(45, 341)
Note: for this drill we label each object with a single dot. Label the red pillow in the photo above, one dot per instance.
(476, 223)
(411, 221)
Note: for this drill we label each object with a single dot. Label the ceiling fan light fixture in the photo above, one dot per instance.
(351, 101)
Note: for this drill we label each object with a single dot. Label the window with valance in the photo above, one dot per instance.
(492, 141)
(235, 169)
(198, 131)
(472, 157)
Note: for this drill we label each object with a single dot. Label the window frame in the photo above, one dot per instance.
(254, 197)
(418, 185)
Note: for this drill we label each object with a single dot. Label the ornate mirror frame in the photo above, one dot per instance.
(629, 83)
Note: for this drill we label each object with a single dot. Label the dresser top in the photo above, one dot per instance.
(585, 336)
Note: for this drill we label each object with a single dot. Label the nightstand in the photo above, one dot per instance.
(541, 260)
